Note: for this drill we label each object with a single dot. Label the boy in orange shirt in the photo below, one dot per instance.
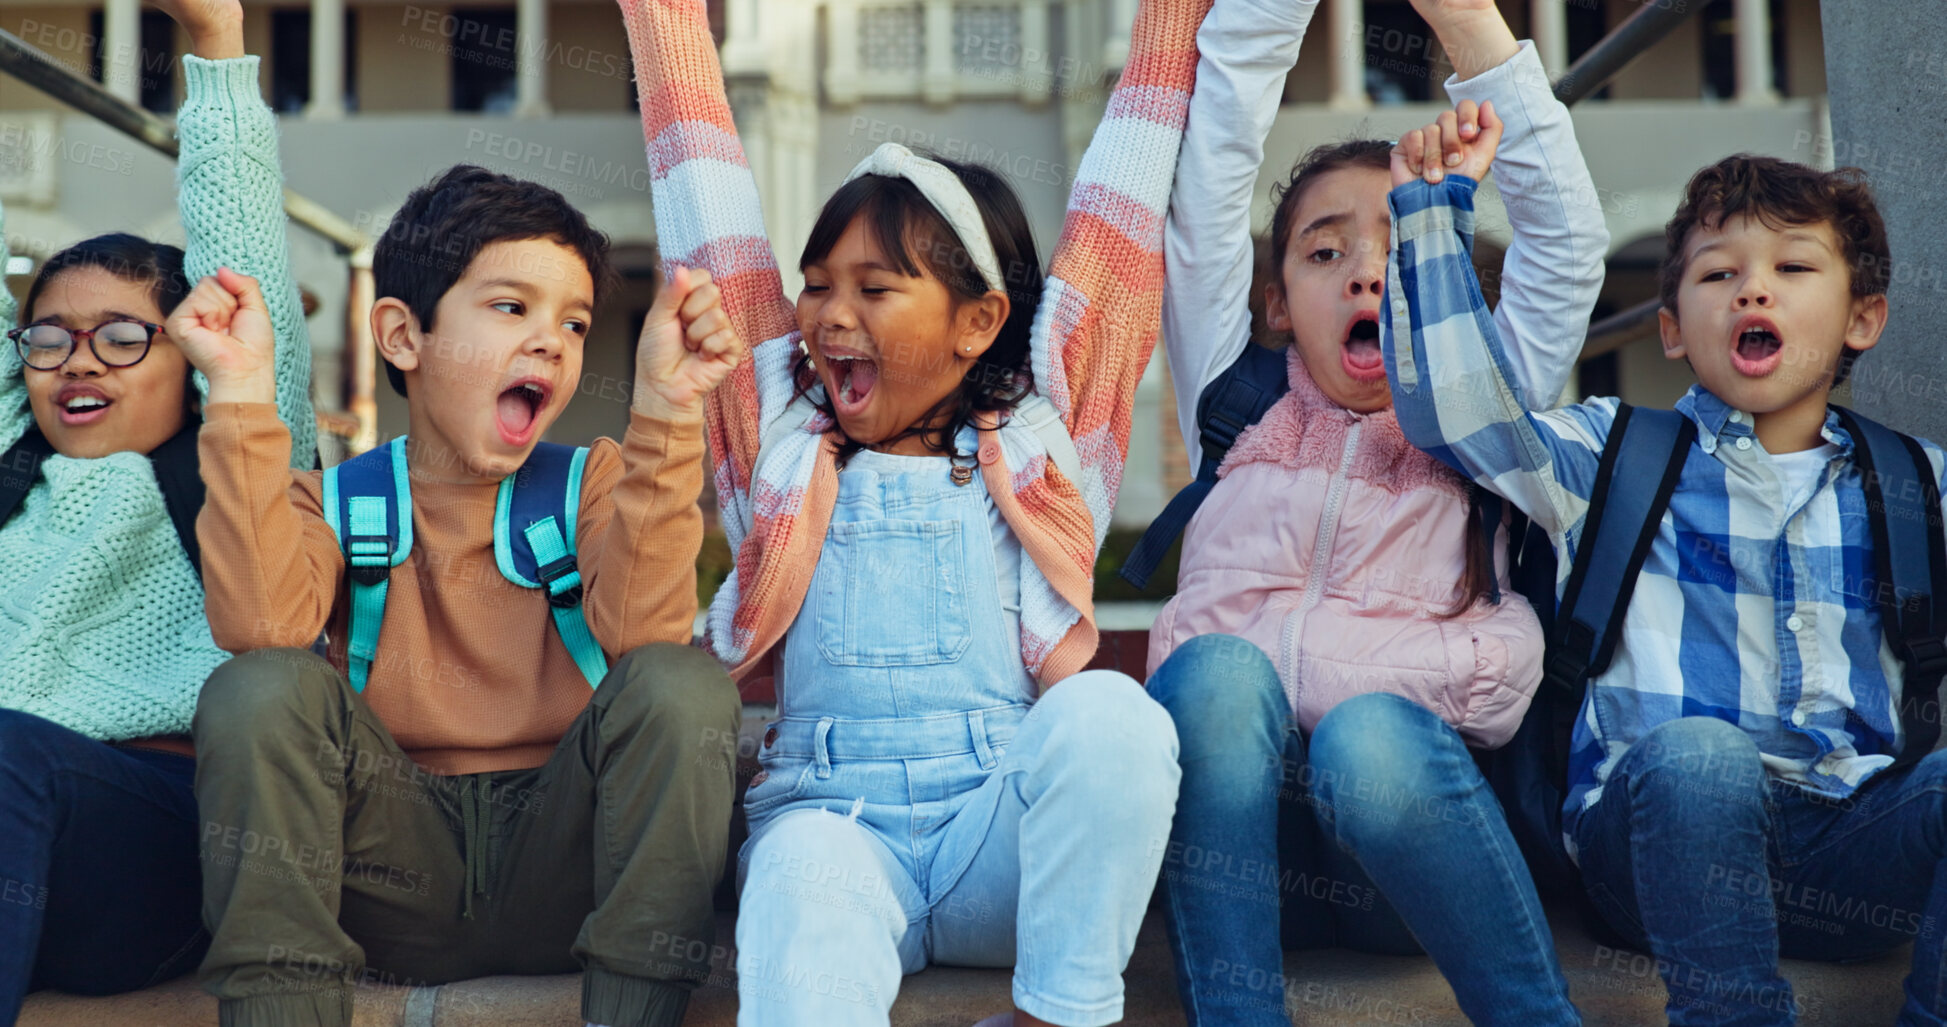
(452, 799)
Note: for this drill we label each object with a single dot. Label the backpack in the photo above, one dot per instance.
(368, 503)
(1638, 471)
(178, 476)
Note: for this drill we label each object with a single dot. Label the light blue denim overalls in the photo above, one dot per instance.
(914, 798)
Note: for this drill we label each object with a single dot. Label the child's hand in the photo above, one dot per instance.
(1461, 142)
(688, 347)
(223, 327)
(215, 27)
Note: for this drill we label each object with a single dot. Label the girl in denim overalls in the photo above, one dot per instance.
(915, 468)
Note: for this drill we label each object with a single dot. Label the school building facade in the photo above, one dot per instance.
(377, 95)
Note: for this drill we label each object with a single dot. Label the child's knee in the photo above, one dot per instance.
(1697, 760)
(1105, 714)
(1220, 684)
(676, 686)
(1377, 731)
(261, 689)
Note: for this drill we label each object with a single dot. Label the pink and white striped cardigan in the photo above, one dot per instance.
(1093, 334)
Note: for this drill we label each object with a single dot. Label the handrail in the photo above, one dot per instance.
(1591, 72)
(24, 62)
(1623, 44)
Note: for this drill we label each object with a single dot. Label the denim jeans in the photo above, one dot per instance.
(100, 887)
(1395, 799)
(918, 803)
(1701, 857)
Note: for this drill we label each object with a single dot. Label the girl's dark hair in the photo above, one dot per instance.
(1477, 580)
(128, 257)
(1318, 162)
(132, 259)
(919, 240)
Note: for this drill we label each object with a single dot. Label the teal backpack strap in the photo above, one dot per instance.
(368, 503)
(562, 578)
(534, 544)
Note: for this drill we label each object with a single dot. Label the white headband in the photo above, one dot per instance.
(944, 190)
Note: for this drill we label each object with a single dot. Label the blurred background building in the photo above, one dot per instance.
(377, 96)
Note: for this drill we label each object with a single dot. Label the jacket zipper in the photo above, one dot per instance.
(1328, 531)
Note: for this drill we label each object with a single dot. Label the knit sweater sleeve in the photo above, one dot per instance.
(230, 187)
(1099, 313)
(708, 216)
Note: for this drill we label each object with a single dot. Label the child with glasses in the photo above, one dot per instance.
(103, 639)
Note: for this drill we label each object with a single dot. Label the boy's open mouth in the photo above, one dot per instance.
(1361, 357)
(1758, 349)
(518, 410)
(852, 381)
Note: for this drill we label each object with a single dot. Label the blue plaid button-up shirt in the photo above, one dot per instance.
(1751, 607)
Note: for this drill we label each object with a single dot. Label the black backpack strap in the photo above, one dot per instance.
(1485, 511)
(179, 476)
(1232, 403)
(20, 468)
(1645, 454)
(1903, 512)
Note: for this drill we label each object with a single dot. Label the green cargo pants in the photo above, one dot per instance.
(330, 858)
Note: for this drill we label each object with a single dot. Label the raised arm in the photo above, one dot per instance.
(1452, 386)
(1553, 269)
(1098, 317)
(230, 187)
(1245, 48)
(708, 216)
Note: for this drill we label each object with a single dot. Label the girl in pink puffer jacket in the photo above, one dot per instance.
(1344, 630)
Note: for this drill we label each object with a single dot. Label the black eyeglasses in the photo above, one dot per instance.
(47, 347)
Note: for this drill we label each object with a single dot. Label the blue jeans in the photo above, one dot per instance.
(100, 887)
(1699, 855)
(1244, 844)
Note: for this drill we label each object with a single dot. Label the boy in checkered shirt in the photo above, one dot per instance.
(1718, 802)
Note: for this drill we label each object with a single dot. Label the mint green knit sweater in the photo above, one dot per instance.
(101, 616)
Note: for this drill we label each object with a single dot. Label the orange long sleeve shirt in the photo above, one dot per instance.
(471, 674)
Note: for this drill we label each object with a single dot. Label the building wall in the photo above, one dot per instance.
(397, 67)
(59, 32)
(1670, 70)
(1640, 145)
(588, 59)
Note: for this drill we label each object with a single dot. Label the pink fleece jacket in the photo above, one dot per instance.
(1337, 548)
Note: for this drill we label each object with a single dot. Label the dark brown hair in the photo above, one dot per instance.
(1477, 580)
(130, 258)
(1318, 162)
(919, 240)
(445, 223)
(1780, 193)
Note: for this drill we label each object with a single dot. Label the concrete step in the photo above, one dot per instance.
(1613, 988)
